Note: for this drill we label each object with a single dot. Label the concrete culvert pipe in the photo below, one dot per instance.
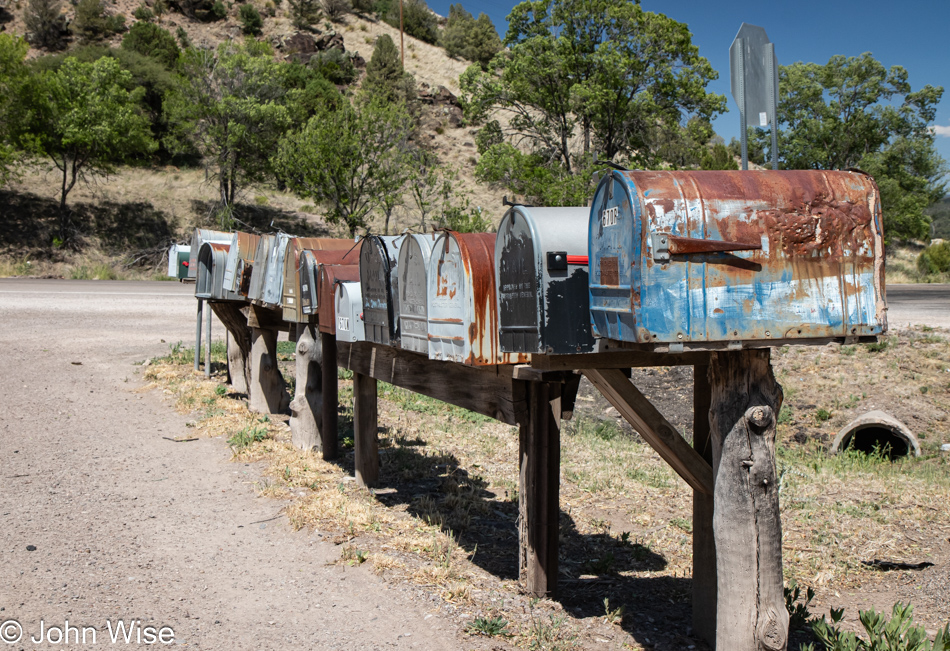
(877, 430)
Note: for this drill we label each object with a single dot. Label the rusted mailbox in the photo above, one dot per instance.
(541, 275)
(378, 285)
(330, 275)
(348, 306)
(411, 268)
(212, 259)
(731, 257)
(240, 257)
(462, 312)
(290, 287)
(199, 237)
(308, 275)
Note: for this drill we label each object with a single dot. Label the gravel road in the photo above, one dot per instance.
(102, 520)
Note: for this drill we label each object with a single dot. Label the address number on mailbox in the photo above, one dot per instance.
(608, 216)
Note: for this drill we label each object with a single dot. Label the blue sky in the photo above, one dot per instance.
(910, 33)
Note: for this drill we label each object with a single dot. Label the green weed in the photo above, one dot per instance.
(247, 436)
(488, 626)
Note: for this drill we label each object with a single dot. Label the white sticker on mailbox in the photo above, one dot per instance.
(763, 119)
(343, 323)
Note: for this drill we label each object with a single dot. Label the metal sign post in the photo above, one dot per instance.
(754, 73)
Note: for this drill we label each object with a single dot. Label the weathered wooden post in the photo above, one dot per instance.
(331, 396)
(236, 364)
(745, 399)
(704, 544)
(267, 391)
(306, 409)
(231, 314)
(365, 418)
(538, 496)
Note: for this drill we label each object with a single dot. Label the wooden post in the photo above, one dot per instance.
(704, 544)
(235, 322)
(745, 399)
(306, 409)
(331, 396)
(364, 430)
(267, 391)
(539, 492)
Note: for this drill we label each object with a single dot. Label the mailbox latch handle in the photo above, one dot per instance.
(666, 245)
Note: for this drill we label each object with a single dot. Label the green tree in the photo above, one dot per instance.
(424, 182)
(151, 40)
(251, 21)
(618, 79)
(465, 37)
(303, 13)
(342, 158)
(233, 104)
(85, 121)
(854, 112)
(93, 21)
(46, 25)
(14, 75)
(538, 179)
(385, 78)
(717, 157)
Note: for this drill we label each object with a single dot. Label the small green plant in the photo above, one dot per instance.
(894, 633)
(247, 436)
(347, 442)
(880, 346)
(488, 626)
(683, 523)
(822, 415)
(220, 390)
(251, 24)
(218, 11)
(612, 615)
(143, 13)
(798, 614)
(602, 565)
(785, 415)
(848, 350)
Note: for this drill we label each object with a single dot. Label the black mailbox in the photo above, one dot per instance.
(378, 282)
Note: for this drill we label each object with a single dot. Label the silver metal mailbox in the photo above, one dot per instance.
(723, 258)
(199, 237)
(330, 276)
(212, 259)
(274, 271)
(349, 312)
(541, 271)
(243, 248)
(462, 310)
(414, 253)
(378, 285)
(256, 285)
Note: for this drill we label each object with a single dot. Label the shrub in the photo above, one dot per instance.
(475, 40)
(251, 21)
(335, 9)
(385, 77)
(489, 135)
(363, 6)
(417, 19)
(182, 37)
(934, 259)
(143, 13)
(46, 25)
(93, 22)
(151, 40)
(304, 13)
(218, 11)
(717, 158)
(334, 65)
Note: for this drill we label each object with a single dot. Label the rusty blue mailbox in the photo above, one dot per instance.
(462, 311)
(348, 305)
(199, 237)
(734, 258)
(209, 281)
(411, 269)
(378, 280)
(541, 273)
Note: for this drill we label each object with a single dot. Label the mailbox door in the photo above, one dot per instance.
(348, 305)
(378, 269)
(307, 280)
(541, 266)
(173, 263)
(256, 283)
(184, 257)
(212, 258)
(243, 247)
(274, 274)
(413, 261)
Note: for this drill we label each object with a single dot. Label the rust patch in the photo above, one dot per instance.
(609, 271)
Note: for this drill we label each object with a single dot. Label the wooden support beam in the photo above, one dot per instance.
(745, 399)
(306, 409)
(266, 318)
(331, 397)
(267, 391)
(539, 491)
(232, 315)
(616, 359)
(704, 545)
(488, 390)
(366, 442)
(653, 427)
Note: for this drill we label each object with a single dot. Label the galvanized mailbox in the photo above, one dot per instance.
(541, 275)
(379, 287)
(212, 259)
(330, 275)
(411, 268)
(462, 310)
(731, 257)
(240, 255)
(199, 237)
(179, 256)
(256, 284)
(348, 306)
(308, 276)
(273, 287)
(291, 292)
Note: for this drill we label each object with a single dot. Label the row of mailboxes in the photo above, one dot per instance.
(679, 257)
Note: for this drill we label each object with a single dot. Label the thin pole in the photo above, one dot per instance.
(773, 100)
(208, 344)
(743, 125)
(402, 49)
(198, 334)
